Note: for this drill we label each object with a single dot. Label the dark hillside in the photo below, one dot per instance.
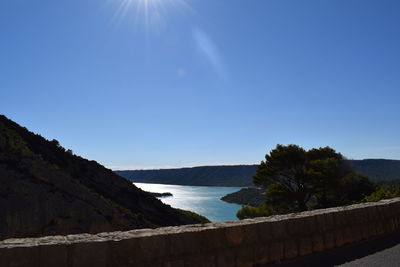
(47, 190)
(378, 169)
(250, 196)
(235, 176)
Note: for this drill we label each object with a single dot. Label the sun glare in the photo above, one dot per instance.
(150, 13)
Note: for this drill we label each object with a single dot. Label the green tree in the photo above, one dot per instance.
(282, 174)
(298, 180)
(247, 212)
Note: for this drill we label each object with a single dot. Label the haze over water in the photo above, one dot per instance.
(204, 200)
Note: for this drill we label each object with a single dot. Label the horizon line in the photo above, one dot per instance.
(171, 167)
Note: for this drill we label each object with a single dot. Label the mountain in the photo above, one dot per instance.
(241, 175)
(46, 190)
(235, 176)
(378, 169)
(250, 196)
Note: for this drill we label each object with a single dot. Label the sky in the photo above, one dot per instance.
(137, 84)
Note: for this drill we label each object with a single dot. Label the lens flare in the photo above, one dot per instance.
(150, 13)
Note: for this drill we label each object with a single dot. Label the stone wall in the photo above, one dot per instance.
(246, 243)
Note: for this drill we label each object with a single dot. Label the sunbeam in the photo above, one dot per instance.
(152, 14)
(209, 51)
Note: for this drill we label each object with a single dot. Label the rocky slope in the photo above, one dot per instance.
(46, 190)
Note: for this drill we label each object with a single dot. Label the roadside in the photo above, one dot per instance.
(378, 252)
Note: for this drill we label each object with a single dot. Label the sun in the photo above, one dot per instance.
(150, 13)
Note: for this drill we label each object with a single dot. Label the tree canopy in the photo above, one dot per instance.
(298, 180)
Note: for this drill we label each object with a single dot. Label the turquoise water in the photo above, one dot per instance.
(204, 200)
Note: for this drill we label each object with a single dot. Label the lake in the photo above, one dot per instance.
(203, 200)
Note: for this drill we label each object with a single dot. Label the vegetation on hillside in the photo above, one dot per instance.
(47, 190)
(235, 176)
(378, 169)
(251, 196)
(385, 190)
(297, 180)
(195, 216)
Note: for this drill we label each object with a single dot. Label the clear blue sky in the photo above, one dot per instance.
(203, 81)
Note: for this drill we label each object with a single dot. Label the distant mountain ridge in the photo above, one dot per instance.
(46, 190)
(241, 175)
(235, 176)
(378, 169)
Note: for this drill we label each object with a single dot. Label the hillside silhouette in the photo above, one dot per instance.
(47, 190)
(236, 176)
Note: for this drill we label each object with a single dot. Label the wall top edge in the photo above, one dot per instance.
(138, 233)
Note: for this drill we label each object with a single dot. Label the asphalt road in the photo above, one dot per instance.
(388, 257)
(379, 252)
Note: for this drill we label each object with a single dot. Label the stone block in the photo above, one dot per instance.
(290, 249)
(293, 227)
(311, 225)
(226, 258)
(264, 231)
(360, 216)
(372, 229)
(321, 223)
(20, 256)
(210, 239)
(364, 231)
(318, 243)
(245, 257)
(396, 209)
(54, 255)
(88, 254)
(152, 247)
(390, 225)
(380, 227)
(388, 211)
(339, 219)
(183, 243)
(301, 226)
(235, 236)
(330, 224)
(252, 235)
(396, 222)
(305, 246)
(339, 240)
(172, 263)
(348, 235)
(329, 240)
(356, 233)
(158, 263)
(372, 213)
(261, 254)
(201, 260)
(278, 230)
(124, 252)
(276, 252)
(379, 212)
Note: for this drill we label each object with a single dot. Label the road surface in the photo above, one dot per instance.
(379, 252)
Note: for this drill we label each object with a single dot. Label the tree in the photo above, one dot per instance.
(250, 212)
(298, 180)
(283, 175)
